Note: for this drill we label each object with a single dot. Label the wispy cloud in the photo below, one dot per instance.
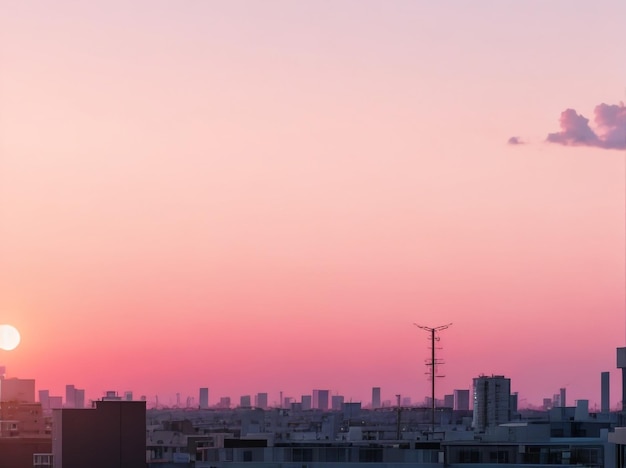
(609, 133)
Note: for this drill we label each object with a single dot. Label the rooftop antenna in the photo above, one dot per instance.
(432, 364)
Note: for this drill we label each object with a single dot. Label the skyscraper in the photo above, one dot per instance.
(621, 364)
(375, 397)
(70, 396)
(261, 400)
(204, 398)
(79, 398)
(492, 398)
(337, 402)
(513, 399)
(320, 399)
(44, 399)
(461, 399)
(315, 399)
(306, 402)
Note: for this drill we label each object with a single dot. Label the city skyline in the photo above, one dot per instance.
(264, 197)
(205, 398)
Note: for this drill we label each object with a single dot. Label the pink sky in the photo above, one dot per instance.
(257, 196)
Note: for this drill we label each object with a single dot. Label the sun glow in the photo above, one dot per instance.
(9, 337)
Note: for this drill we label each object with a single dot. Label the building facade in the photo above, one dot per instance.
(492, 398)
(110, 435)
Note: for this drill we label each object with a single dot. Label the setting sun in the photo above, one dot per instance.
(9, 337)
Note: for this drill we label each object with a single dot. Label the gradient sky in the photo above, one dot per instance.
(264, 196)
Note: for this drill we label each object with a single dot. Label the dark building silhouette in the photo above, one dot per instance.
(605, 392)
(18, 452)
(110, 435)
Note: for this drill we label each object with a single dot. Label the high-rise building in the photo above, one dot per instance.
(461, 400)
(79, 398)
(562, 398)
(44, 399)
(204, 398)
(70, 396)
(605, 398)
(492, 398)
(337, 402)
(261, 400)
(375, 397)
(320, 399)
(245, 401)
(621, 364)
(306, 402)
(128, 395)
(513, 399)
(315, 399)
(323, 402)
(448, 401)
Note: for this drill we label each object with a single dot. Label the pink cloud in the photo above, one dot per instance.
(515, 141)
(610, 132)
(611, 123)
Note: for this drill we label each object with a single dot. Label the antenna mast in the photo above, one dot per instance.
(432, 364)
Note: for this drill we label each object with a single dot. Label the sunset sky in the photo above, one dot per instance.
(266, 195)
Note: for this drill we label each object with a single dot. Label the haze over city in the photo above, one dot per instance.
(265, 196)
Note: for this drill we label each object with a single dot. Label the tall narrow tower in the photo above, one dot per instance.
(375, 397)
(432, 364)
(605, 395)
(621, 364)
